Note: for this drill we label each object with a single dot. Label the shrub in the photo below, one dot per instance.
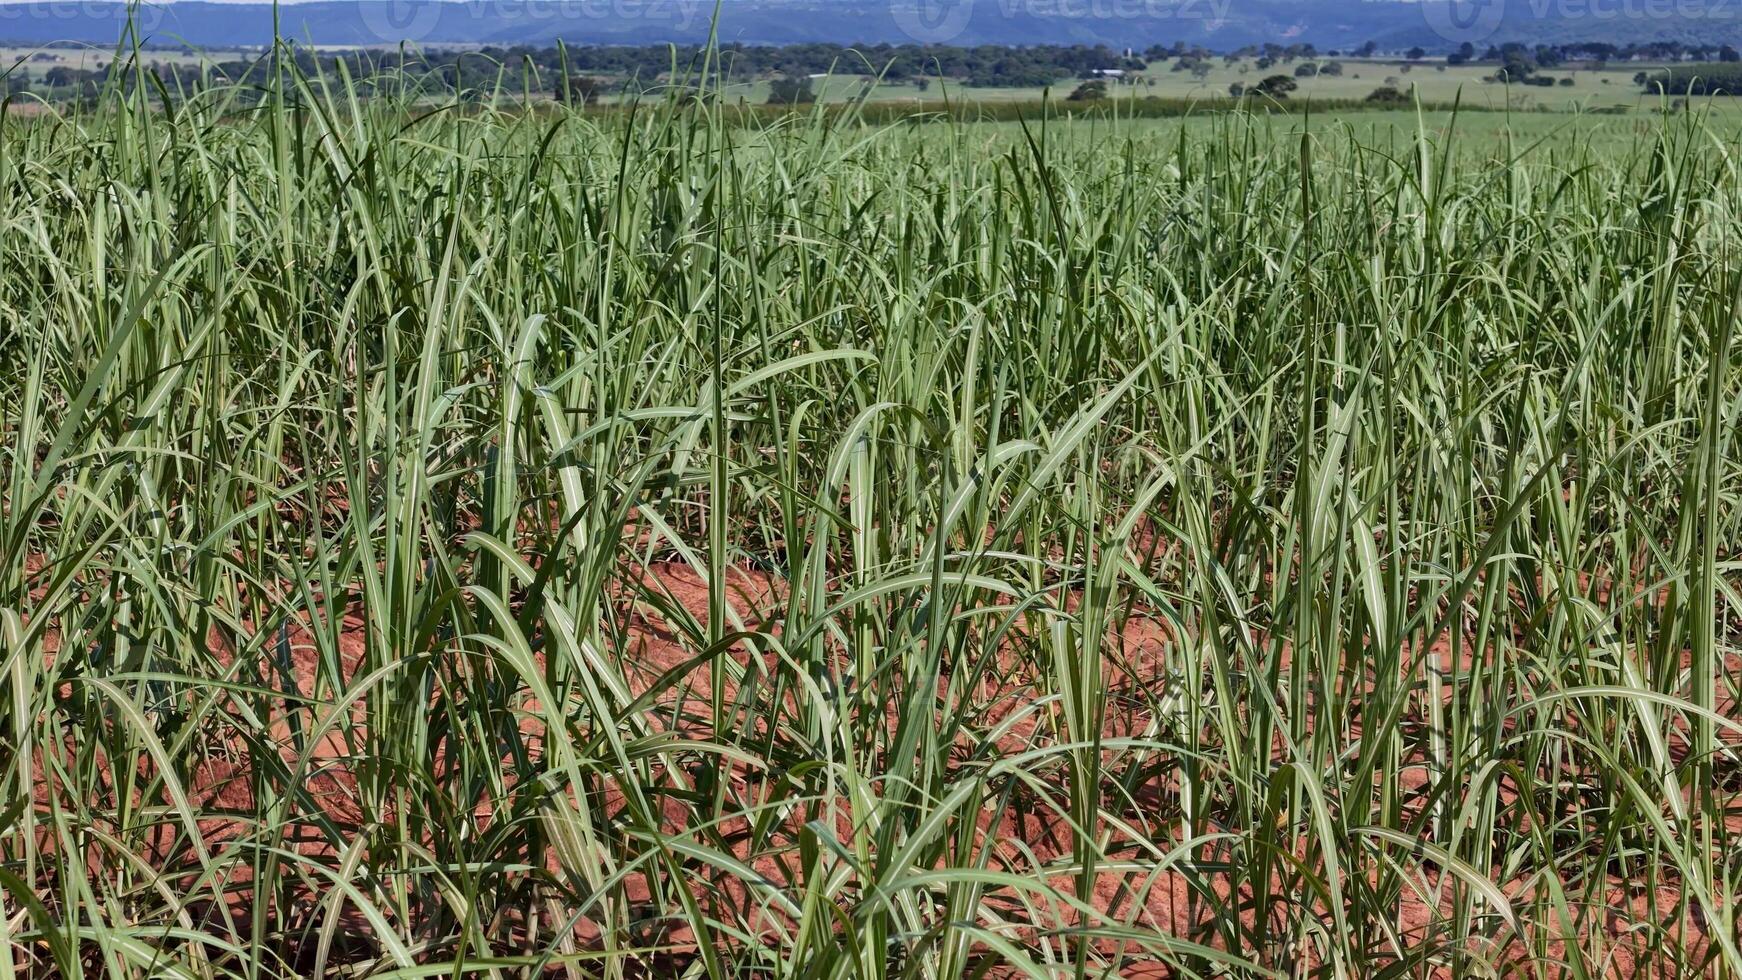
(1708, 79)
(790, 90)
(578, 90)
(1275, 87)
(1088, 91)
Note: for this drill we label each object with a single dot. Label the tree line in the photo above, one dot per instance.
(584, 74)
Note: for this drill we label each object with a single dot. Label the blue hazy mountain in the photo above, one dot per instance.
(1218, 24)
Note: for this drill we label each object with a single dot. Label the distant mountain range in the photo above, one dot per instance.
(1395, 25)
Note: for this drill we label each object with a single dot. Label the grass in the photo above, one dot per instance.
(441, 542)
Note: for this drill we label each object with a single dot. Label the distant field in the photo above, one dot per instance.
(1435, 82)
(93, 58)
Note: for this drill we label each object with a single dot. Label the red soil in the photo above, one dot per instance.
(1027, 833)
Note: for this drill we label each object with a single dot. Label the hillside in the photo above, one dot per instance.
(1216, 24)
